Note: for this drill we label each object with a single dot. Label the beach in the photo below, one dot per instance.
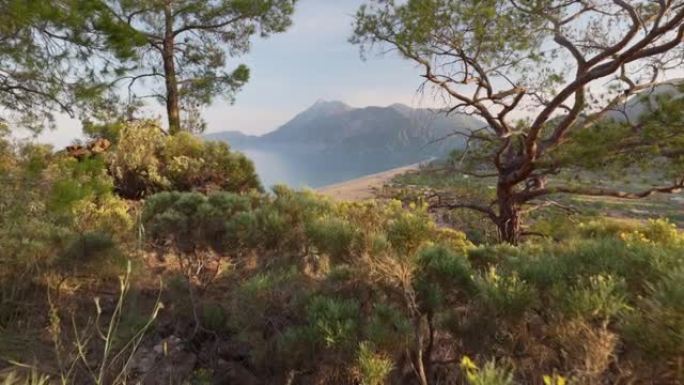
(363, 187)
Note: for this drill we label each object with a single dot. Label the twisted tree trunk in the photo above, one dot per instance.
(508, 220)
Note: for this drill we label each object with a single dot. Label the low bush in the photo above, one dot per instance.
(59, 218)
(145, 160)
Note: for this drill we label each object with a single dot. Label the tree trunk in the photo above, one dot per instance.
(419, 359)
(508, 221)
(172, 97)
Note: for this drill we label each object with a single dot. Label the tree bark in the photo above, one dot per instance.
(508, 220)
(172, 96)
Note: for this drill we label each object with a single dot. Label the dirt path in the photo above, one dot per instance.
(364, 187)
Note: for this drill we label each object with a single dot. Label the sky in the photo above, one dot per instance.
(290, 71)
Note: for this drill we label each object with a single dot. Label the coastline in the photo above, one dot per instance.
(364, 187)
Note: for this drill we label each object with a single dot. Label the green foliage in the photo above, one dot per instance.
(194, 42)
(59, 216)
(489, 374)
(505, 295)
(598, 297)
(344, 292)
(214, 317)
(45, 59)
(333, 321)
(611, 147)
(407, 231)
(657, 329)
(443, 277)
(193, 222)
(389, 327)
(374, 368)
(145, 161)
(333, 236)
(495, 58)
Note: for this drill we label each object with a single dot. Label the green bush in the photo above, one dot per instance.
(491, 373)
(333, 236)
(374, 368)
(657, 327)
(506, 295)
(388, 327)
(354, 291)
(59, 217)
(145, 160)
(195, 223)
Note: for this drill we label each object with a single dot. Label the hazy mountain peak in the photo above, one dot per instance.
(402, 108)
(646, 100)
(329, 106)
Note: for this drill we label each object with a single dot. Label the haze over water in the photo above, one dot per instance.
(300, 169)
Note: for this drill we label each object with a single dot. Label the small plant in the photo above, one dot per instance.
(506, 293)
(373, 367)
(99, 342)
(599, 297)
(489, 374)
(554, 380)
(334, 321)
(33, 377)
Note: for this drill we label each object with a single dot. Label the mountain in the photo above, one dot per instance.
(333, 126)
(647, 100)
(332, 141)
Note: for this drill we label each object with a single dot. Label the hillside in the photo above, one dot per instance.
(333, 126)
(646, 101)
(331, 142)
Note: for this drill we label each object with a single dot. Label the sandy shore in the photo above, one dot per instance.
(364, 187)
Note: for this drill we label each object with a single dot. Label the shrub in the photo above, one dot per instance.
(191, 164)
(145, 161)
(333, 236)
(407, 231)
(489, 374)
(443, 276)
(388, 327)
(334, 321)
(59, 218)
(373, 367)
(506, 294)
(657, 328)
(600, 297)
(134, 162)
(193, 223)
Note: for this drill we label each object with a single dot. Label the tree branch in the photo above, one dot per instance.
(592, 191)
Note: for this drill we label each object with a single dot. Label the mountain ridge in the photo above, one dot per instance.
(335, 122)
(331, 142)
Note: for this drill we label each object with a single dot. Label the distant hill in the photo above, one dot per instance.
(332, 142)
(647, 100)
(398, 131)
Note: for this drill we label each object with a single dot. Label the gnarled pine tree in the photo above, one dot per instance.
(546, 76)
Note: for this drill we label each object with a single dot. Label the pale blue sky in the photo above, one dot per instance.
(290, 71)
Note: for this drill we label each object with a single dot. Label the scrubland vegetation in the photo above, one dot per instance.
(289, 287)
(151, 256)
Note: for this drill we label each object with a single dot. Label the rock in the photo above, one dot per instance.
(81, 152)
